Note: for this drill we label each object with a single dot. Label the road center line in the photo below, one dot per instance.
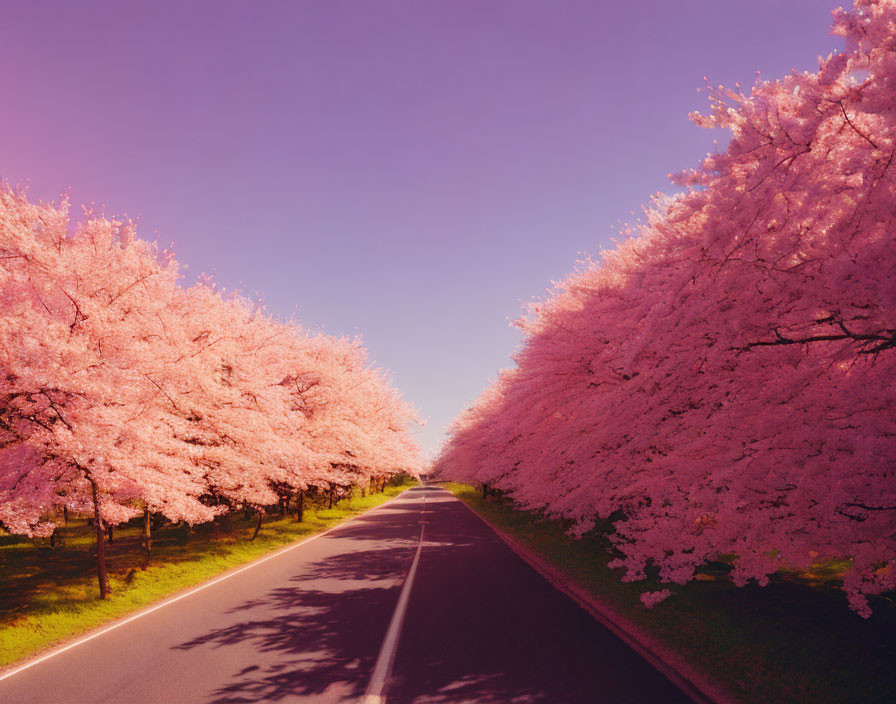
(375, 693)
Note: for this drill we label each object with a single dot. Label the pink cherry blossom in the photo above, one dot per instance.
(724, 377)
(122, 392)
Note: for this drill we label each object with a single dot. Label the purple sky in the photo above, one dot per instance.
(413, 171)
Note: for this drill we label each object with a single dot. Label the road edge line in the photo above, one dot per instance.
(589, 603)
(190, 591)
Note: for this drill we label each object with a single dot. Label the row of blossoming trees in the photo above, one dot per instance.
(124, 393)
(724, 382)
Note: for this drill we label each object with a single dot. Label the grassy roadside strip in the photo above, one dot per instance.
(48, 596)
(788, 642)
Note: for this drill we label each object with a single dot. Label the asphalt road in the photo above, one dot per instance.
(310, 625)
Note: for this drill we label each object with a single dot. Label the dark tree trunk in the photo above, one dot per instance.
(100, 543)
(109, 533)
(257, 526)
(65, 515)
(147, 539)
(300, 506)
(284, 505)
(485, 491)
(332, 496)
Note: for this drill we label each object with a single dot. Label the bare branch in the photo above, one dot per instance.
(858, 131)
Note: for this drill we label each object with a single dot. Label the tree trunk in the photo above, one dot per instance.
(485, 491)
(147, 539)
(284, 505)
(363, 491)
(65, 515)
(257, 526)
(109, 533)
(300, 506)
(332, 496)
(100, 543)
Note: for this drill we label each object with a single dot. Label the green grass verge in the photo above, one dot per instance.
(48, 595)
(794, 640)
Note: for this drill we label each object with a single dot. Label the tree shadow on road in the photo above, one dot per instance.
(319, 637)
(472, 633)
(316, 637)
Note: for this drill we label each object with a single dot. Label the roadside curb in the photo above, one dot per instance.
(695, 684)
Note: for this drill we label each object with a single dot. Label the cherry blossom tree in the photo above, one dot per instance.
(80, 319)
(724, 376)
(122, 393)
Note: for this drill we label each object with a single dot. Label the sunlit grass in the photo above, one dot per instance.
(793, 641)
(50, 594)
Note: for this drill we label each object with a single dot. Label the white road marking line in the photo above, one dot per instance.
(215, 581)
(375, 693)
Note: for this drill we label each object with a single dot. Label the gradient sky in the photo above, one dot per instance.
(412, 171)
